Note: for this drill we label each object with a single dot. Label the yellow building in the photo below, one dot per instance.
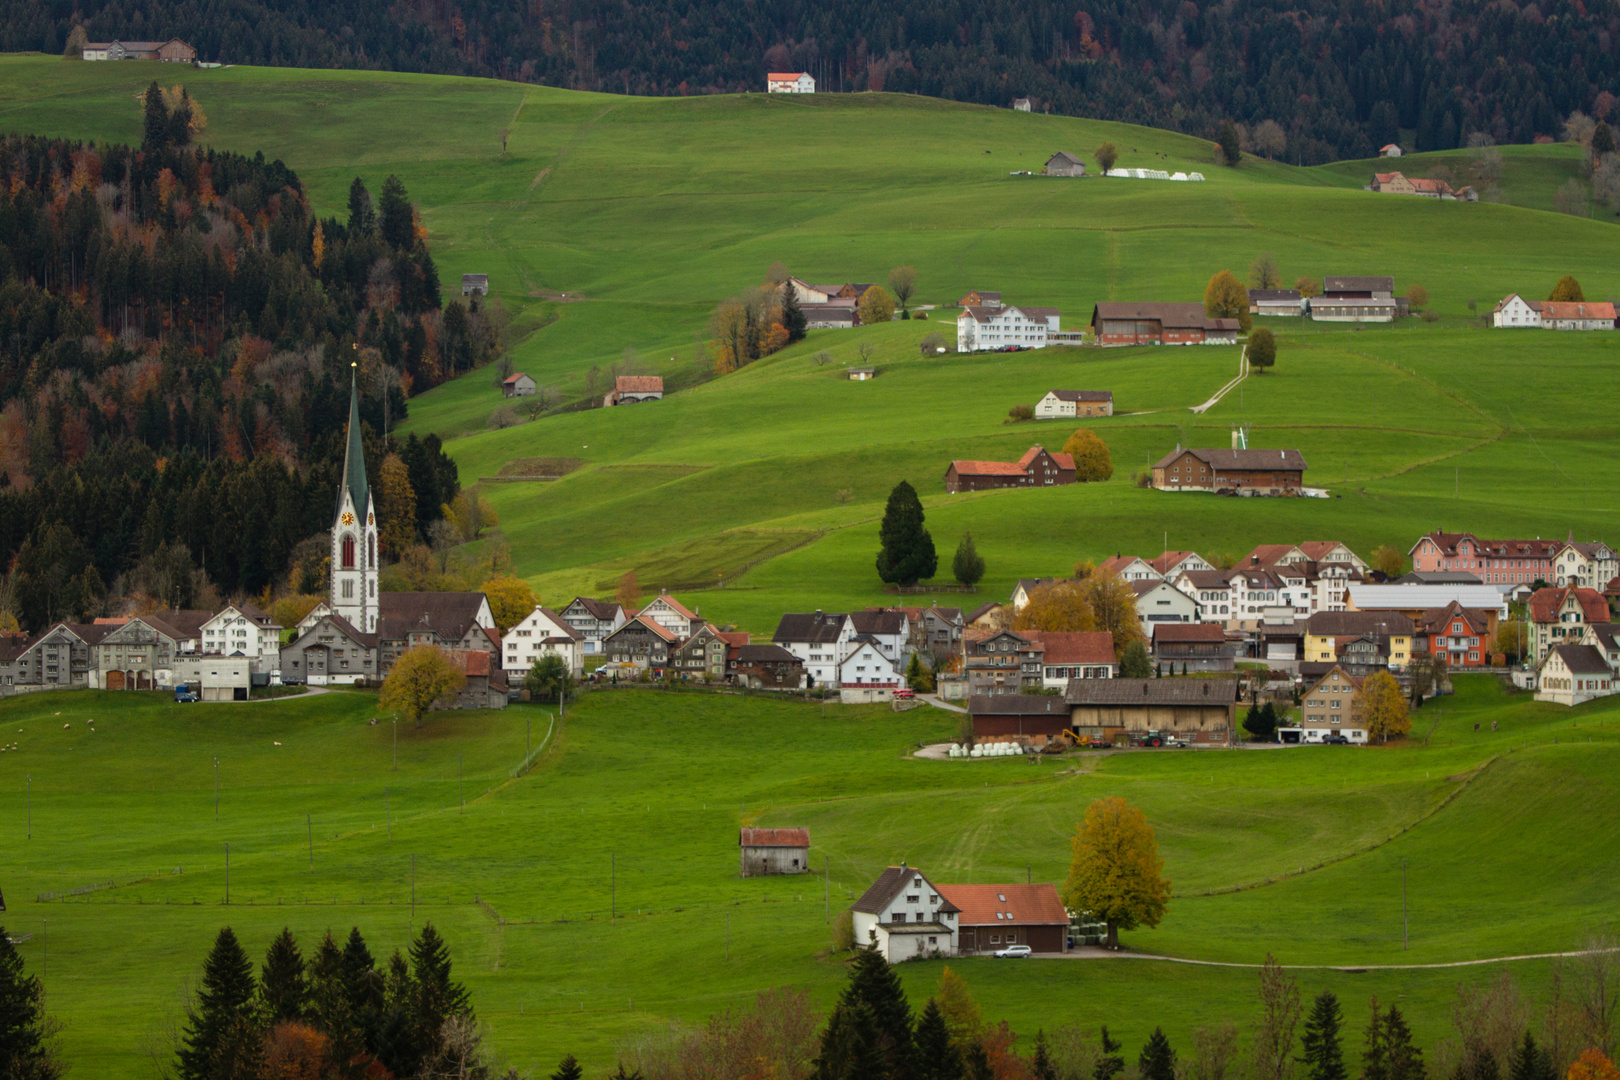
(1361, 639)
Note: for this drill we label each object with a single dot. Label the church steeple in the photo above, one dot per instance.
(354, 530)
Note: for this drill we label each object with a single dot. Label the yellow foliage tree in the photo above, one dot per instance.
(8, 623)
(960, 1011)
(1091, 458)
(396, 505)
(876, 306)
(420, 677)
(1381, 707)
(1593, 1064)
(1389, 561)
(628, 595)
(290, 610)
(1061, 606)
(317, 247)
(1226, 298)
(470, 513)
(1567, 290)
(1117, 873)
(510, 600)
(1113, 606)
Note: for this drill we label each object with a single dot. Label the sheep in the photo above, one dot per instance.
(64, 726)
(278, 744)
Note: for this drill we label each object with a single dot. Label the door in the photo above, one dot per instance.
(115, 680)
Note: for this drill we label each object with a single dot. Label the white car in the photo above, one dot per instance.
(1016, 951)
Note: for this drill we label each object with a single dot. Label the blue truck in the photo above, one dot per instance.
(184, 693)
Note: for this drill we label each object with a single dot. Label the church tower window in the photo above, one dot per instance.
(348, 553)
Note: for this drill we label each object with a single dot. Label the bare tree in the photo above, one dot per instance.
(1270, 139)
(1264, 273)
(1279, 1017)
(443, 537)
(388, 381)
(1571, 199)
(1579, 127)
(1606, 181)
(1214, 1051)
(1596, 985)
(903, 282)
(1489, 1020)
(777, 273)
(865, 350)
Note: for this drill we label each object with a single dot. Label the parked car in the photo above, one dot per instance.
(1333, 738)
(183, 694)
(905, 692)
(1014, 952)
(1176, 741)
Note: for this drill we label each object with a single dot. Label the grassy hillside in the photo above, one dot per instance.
(635, 802)
(769, 481)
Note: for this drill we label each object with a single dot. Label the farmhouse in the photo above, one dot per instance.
(641, 643)
(483, 683)
(1231, 472)
(1276, 302)
(1572, 674)
(1001, 662)
(628, 389)
(517, 384)
(1038, 467)
(1196, 647)
(1160, 602)
(540, 633)
(1391, 183)
(992, 917)
(1389, 150)
(593, 620)
(818, 640)
(1069, 403)
(172, 51)
(1159, 324)
(765, 667)
(1514, 312)
(242, 630)
(790, 82)
(1198, 710)
(1432, 189)
(704, 653)
(1064, 163)
(862, 374)
(1021, 104)
(980, 298)
(903, 917)
(865, 675)
(329, 652)
(1497, 562)
(1072, 654)
(1329, 708)
(140, 654)
(1460, 636)
(672, 615)
(1355, 299)
(1130, 568)
(1559, 315)
(474, 283)
(1328, 634)
(774, 851)
(1003, 327)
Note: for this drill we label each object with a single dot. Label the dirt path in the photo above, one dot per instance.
(1243, 373)
(1092, 952)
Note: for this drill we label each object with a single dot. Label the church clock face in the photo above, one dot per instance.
(348, 518)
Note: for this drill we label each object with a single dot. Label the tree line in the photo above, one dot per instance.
(1312, 81)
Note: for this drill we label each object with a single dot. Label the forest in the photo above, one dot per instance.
(177, 336)
(1340, 77)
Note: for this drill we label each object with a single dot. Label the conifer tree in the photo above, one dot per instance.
(361, 983)
(1158, 1061)
(937, 1058)
(977, 1063)
(874, 984)
(438, 997)
(1405, 1059)
(568, 1069)
(156, 119)
(1531, 1062)
(24, 1052)
(908, 551)
(1323, 1056)
(219, 1034)
(968, 565)
(394, 217)
(329, 1007)
(1040, 1063)
(393, 1035)
(362, 218)
(283, 987)
(850, 1045)
(1109, 1063)
(793, 319)
(1375, 1047)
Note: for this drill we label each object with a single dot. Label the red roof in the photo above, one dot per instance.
(1546, 603)
(1064, 461)
(639, 384)
(1073, 647)
(679, 608)
(774, 838)
(1170, 560)
(1001, 905)
(473, 663)
(783, 76)
(656, 627)
(1560, 309)
(1386, 177)
(987, 468)
(514, 377)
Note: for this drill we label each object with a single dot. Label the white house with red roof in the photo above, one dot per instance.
(672, 615)
(517, 384)
(790, 82)
(1560, 616)
(540, 632)
(1004, 327)
(1130, 568)
(865, 675)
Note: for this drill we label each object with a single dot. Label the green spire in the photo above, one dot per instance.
(354, 458)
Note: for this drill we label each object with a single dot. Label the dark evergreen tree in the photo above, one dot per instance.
(1375, 1047)
(361, 982)
(968, 565)
(1531, 1062)
(851, 1048)
(362, 218)
(874, 984)
(568, 1070)
(393, 1036)
(1158, 1061)
(907, 556)
(1405, 1059)
(329, 1007)
(1109, 1063)
(180, 121)
(156, 119)
(437, 996)
(24, 1051)
(1323, 1056)
(937, 1057)
(283, 987)
(219, 1036)
(1041, 1066)
(793, 319)
(1227, 140)
(977, 1062)
(1603, 138)
(394, 217)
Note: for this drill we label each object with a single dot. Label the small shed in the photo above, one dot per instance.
(216, 678)
(1021, 104)
(1389, 150)
(774, 851)
(861, 374)
(517, 384)
(1064, 163)
(475, 283)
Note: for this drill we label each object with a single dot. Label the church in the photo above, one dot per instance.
(359, 632)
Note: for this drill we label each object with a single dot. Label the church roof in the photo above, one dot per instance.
(354, 457)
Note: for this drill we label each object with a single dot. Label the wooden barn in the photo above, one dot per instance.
(774, 851)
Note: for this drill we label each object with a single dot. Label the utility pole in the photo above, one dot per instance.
(45, 948)
(216, 789)
(728, 935)
(388, 813)
(461, 779)
(1406, 926)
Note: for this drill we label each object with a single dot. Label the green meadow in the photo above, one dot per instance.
(596, 896)
(759, 492)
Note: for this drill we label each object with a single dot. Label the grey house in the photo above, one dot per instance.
(774, 851)
(330, 651)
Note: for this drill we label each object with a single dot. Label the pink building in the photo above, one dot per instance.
(1496, 562)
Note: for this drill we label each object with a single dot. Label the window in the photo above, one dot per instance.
(995, 939)
(348, 555)
(348, 586)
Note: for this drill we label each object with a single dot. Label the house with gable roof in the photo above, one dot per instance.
(1063, 404)
(629, 389)
(1560, 616)
(773, 851)
(1591, 565)
(818, 639)
(242, 629)
(1159, 323)
(993, 917)
(1038, 467)
(594, 620)
(330, 651)
(1496, 562)
(1003, 327)
(672, 615)
(1571, 674)
(865, 675)
(539, 633)
(1329, 707)
(518, 384)
(903, 916)
(1064, 163)
(1462, 637)
(642, 643)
